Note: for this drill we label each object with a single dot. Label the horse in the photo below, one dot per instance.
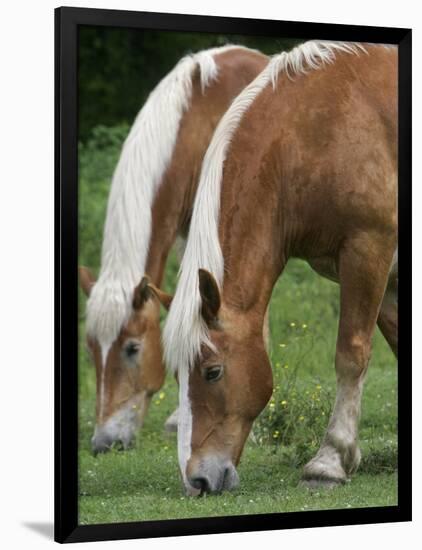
(149, 204)
(303, 164)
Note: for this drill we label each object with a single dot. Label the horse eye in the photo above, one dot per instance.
(214, 373)
(132, 349)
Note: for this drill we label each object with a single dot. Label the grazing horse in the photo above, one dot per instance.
(303, 164)
(150, 203)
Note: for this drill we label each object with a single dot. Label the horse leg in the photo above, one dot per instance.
(364, 265)
(387, 318)
(266, 329)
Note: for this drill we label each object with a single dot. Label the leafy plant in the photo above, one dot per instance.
(298, 410)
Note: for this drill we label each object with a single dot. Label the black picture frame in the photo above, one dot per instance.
(67, 22)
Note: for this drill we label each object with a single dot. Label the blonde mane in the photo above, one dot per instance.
(144, 159)
(185, 331)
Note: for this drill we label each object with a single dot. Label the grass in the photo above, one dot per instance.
(143, 484)
(131, 488)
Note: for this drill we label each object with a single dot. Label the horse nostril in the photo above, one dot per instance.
(118, 445)
(100, 445)
(200, 483)
(99, 449)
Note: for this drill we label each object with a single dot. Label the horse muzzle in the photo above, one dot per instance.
(102, 440)
(211, 475)
(113, 434)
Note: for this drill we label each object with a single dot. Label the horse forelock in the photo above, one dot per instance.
(185, 332)
(108, 310)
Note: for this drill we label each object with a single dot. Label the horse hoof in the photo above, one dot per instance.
(325, 469)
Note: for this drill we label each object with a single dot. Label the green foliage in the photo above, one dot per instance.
(97, 160)
(300, 406)
(118, 68)
(297, 412)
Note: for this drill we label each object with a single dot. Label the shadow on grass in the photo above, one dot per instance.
(378, 461)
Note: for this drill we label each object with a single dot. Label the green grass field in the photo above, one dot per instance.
(143, 483)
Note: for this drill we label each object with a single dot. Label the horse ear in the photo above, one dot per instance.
(163, 297)
(86, 280)
(145, 290)
(141, 293)
(210, 296)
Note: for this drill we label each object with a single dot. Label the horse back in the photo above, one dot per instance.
(321, 151)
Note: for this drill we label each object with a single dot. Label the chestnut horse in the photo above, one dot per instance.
(150, 203)
(303, 164)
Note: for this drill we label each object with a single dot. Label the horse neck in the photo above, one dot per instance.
(174, 200)
(173, 203)
(252, 250)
